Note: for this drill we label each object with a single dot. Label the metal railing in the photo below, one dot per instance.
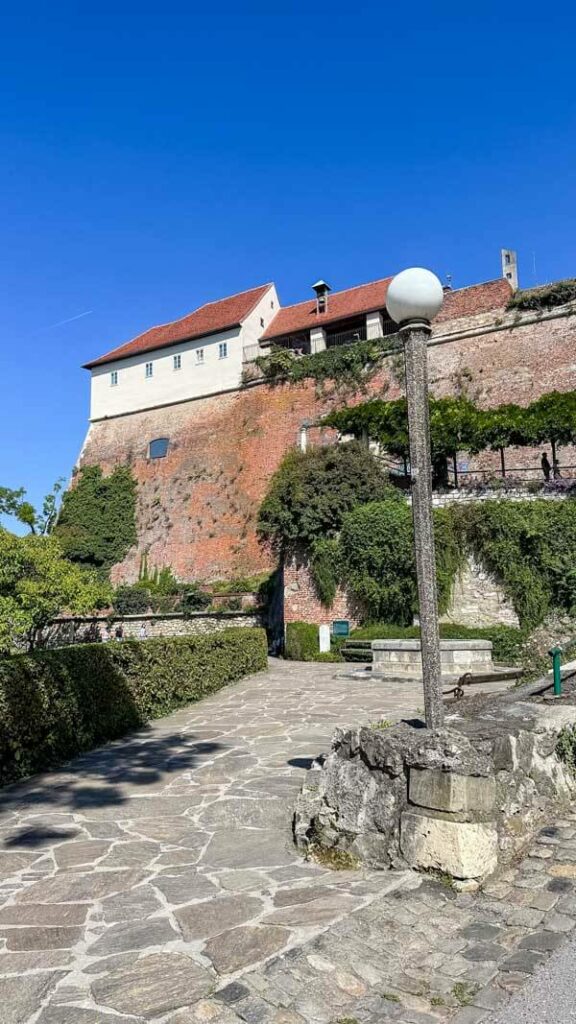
(347, 337)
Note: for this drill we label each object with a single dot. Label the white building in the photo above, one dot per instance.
(201, 354)
(205, 352)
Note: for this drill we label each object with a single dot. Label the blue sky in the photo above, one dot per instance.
(158, 156)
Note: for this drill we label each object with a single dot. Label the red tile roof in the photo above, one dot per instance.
(479, 298)
(208, 319)
(341, 305)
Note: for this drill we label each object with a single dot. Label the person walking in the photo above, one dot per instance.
(119, 633)
(143, 632)
(546, 467)
(105, 634)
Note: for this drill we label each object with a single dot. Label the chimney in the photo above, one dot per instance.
(321, 289)
(510, 267)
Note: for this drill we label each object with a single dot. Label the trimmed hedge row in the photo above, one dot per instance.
(302, 639)
(302, 644)
(55, 704)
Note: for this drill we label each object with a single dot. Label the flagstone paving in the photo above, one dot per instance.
(149, 873)
(154, 880)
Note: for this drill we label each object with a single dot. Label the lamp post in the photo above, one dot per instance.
(414, 297)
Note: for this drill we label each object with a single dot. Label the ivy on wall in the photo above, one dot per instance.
(367, 545)
(547, 297)
(97, 522)
(348, 367)
(530, 547)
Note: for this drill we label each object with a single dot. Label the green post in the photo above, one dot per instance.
(555, 655)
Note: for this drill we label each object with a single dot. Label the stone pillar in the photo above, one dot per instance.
(415, 337)
(317, 339)
(374, 325)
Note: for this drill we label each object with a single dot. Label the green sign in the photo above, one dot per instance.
(341, 627)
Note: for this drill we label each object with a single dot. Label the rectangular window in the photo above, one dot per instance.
(149, 369)
(177, 362)
(223, 349)
(199, 355)
(114, 378)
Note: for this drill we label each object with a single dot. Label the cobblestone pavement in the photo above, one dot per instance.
(155, 880)
(143, 876)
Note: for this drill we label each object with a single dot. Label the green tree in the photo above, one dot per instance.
(97, 522)
(13, 503)
(312, 491)
(37, 583)
(552, 418)
(507, 426)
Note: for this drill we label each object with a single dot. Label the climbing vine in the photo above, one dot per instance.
(324, 505)
(348, 367)
(97, 521)
(547, 297)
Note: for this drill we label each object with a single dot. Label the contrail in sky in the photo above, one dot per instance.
(68, 321)
(60, 323)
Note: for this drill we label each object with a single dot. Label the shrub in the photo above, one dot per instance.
(547, 297)
(507, 642)
(55, 704)
(377, 559)
(302, 644)
(193, 600)
(97, 522)
(312, 491)
(301, 641)
(131, 600)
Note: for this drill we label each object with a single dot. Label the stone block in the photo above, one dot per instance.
(445, 791)
(463, 849)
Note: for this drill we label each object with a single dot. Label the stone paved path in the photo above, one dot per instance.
(150, 873)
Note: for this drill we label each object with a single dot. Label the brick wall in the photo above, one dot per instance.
(301, 603)
(197, 507)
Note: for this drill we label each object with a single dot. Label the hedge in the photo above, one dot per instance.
(507, 642)
(302, 639)
(55, 704)
(302, 644)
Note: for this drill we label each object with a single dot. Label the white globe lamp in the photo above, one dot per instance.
(414, 295)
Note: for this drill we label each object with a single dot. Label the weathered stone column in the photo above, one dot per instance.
(415, 337)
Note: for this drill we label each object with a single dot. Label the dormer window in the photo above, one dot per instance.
(158, 448)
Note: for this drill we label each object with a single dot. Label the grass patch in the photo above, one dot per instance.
(464, 992)
(336, 860)
(383, 723)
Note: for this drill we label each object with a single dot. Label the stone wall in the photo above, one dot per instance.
(197, 507)
(458, 800)
(89, 630)
(478, 600)
(468, 496)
